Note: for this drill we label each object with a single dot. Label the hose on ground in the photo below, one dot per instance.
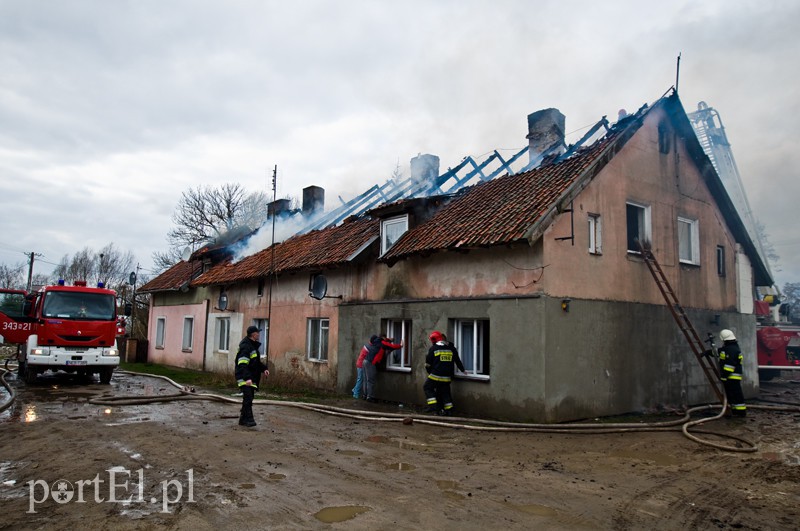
(685, 423)
(12, 395)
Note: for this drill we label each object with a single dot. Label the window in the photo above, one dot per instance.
(161, 325)
(472, 341)
(720, 260)
(188, 333)
(263, 327)
(317, 339)
(223, 334)
(638, 220)
(664, 140)
(400, 331)
(595, 234)
(260, 288)
(688, 241)
(391, 230)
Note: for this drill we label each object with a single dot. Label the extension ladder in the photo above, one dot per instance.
(708, 366)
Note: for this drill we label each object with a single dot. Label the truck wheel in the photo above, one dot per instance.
(105, 375)
(29, 375)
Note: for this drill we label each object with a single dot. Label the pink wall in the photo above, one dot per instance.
(172, 353)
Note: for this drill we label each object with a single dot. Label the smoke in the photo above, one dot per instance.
(285, 227)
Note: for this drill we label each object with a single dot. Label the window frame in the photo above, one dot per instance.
(263, 328)
(694, 241)
(721, 260)
(186, 346)
(595, 233)
(320, 325)
(645, 233)
(405, 353)
(479, 358)
(388, 222)
(161, 332)
(223, 334)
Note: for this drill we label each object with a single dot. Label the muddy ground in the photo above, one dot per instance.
(70, 464)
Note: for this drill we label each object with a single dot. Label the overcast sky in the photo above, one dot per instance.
(110, 109)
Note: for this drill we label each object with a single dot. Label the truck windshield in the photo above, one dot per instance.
(76, 305)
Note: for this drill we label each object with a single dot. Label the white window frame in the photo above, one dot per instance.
(475, 360)
(400, 331)
(188, 333)
(387, 225)
(161, 329)
(644, 218)
(223, 335)
(317, 336)
(263, 328)
(694, 241)
(595, 234)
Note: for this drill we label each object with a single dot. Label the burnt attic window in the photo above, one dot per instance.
(664, 138)
(391, 231)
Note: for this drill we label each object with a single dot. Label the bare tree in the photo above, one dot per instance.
(109, 266)
(205, 213)
(12, 277)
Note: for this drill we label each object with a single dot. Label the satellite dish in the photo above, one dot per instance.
(222, 304)
(318, 287)
(187, 252)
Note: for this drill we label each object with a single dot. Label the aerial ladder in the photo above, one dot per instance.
(679, 314)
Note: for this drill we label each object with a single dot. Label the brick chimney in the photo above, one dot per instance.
(313, 200)
(425, 167)
(545, 128)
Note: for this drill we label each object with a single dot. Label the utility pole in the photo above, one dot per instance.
(31, 256)
(272, 264)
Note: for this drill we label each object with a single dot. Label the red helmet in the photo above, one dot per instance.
(436, 336)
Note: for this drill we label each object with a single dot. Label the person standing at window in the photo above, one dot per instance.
(441, 361)
(358, 390)
(378, 346)
(248, 374)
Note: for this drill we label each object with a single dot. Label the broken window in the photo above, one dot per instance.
(399, 331)
(223, 333)
(391, 230)
(188, 334)
(471, 338)
(161, 325)
(595, 234)
(688, 241)
(317, 339)
(638, 221)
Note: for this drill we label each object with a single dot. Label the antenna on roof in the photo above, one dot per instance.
(678, 72)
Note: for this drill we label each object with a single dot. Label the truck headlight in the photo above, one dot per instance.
(38, 352)
(111, 352)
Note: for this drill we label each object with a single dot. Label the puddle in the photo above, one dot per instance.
(403, 467)
(331, 515)
(351, 452)
(377, 439)
(453, 495)
(247, 486)
(276, 477)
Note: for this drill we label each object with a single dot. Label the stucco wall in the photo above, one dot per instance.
(172, 352)
(547, 365)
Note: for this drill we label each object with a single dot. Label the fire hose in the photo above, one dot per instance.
(684, 423)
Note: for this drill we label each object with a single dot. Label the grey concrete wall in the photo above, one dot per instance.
(600, 358)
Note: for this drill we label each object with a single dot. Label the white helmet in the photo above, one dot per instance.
(727, 335)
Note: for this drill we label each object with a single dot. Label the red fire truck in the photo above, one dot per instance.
(777, 341)
(68, 328)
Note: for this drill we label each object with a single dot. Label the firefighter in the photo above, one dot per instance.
(440, 364)
(730, 372)
(248, 374)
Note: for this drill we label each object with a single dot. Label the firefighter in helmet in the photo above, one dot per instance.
(730, 372)
(440, 363)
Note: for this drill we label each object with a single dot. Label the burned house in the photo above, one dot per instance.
(535, 275)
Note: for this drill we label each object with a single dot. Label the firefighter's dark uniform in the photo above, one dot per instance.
(730, 372)
(248, 367)
(440, 364)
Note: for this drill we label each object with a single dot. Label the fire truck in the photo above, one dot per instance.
(777, 340)
(67, 328)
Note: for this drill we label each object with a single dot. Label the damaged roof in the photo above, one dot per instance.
(173, 278)
(321, 249)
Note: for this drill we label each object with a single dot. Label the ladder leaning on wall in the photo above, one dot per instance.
(706, 363)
